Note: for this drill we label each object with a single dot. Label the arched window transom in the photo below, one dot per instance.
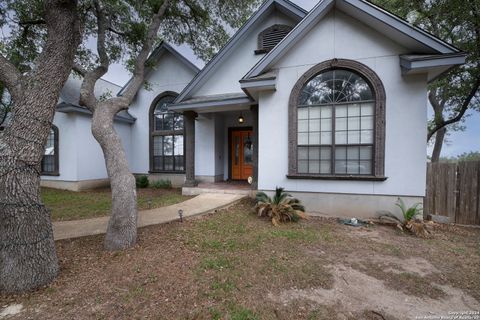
(166, 132)
(335, 110)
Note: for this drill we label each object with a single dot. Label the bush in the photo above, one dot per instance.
(142, 182)
(281, 208)
(161, 184)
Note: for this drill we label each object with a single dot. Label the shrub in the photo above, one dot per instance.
(161, 184)
(142, 182)
(281, 208)
(410, 222)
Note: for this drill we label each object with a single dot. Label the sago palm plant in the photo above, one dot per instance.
(410, 221)
(282, 207)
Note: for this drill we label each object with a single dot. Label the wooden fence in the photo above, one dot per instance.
(453, 192)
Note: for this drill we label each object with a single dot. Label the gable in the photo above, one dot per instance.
(391, 26)
(284, 7)
(242, 58)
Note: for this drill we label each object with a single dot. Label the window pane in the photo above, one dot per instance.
(353, 153)
(341, 111)
(341, 137)
(158, 122)
(326, 125)
(50, 145)
(158, 163)
(179, 160)
(157, 145)
(302, 166)
(366, 153)
(178, 122)
(325, 167)
(367, 109)
(178, 145)
(302, 113)
(340, 166)
(314, 138)
(168, 146)
(315, 112)
(353, 137)
(302, 138)
(326, 112)
(168, 163)
(303, 153)
(340, 153)
(367, 122)
(302, 125)
(168, 121)
(365, 167)
(314, 153)
(325, 138)
(353, 110)
(313, 166)
(340, 124)
(314, 125)
(325, 153)
(352, 167)
(354, 123)
(367, 136)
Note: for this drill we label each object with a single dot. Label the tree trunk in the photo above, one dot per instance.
(122, 226)
(437, 148)
(27, 250)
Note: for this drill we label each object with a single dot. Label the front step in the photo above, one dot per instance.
(195, 191)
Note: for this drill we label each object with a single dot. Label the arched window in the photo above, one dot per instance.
(166, 136)
(337, 129)
(49, 164)
(270, 37)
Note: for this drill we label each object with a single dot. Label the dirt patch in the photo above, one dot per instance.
(233, 265)
(358, 293)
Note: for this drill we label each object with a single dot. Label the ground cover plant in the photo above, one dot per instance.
(70, 205)
(232, 265)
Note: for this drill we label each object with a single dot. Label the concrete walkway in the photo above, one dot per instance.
(201, 204)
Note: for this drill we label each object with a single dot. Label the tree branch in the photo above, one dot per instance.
(80, 69)
(461, 112)
(11, 77)
(139, 70)
(32, 22)
(87, 90)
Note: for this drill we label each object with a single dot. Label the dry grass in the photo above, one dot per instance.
(232, 265)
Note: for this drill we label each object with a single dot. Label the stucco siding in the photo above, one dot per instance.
(168, 75)
(340, 36)
(236, 65)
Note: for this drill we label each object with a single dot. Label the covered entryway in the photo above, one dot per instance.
(241, 153)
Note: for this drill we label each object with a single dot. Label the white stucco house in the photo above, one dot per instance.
(330, 104)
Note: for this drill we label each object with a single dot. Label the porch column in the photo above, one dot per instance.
(254, 111)
(189, 123)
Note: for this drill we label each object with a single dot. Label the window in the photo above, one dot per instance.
(166, 139)
(335, 131)
(49, 164)
(270, 37)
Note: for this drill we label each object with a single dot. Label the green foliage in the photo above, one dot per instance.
(466, 156)
(161, 184)
(281, 208)
(457, 22)
(142, 182)
(411, 212)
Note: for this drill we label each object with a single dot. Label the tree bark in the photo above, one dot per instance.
(437, 148)
(27, 250)
(122, 226)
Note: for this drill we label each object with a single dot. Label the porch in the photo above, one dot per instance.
(227, 187)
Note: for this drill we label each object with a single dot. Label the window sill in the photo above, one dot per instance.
(170, 172)
(337, 177)
(50, 174)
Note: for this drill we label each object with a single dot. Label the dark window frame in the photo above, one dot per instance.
(378, 159)
(261, 36)
(56, 170)
(152, 133)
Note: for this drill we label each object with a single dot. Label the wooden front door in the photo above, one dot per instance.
(241, 154)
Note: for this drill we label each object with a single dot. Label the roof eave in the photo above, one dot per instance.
(70, 108)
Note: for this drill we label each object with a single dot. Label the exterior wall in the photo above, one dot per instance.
(81, 161)
(340, 36)
(233, 68)
(169, 75)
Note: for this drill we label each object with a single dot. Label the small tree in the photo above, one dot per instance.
(458, 22)
(130, 30)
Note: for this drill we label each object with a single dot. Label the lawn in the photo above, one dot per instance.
(233, 265)
(69, 205)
